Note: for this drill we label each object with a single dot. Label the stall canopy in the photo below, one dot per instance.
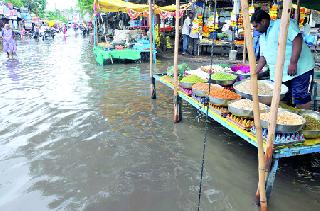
(122, 6)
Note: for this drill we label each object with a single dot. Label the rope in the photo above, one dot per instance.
(206, 103)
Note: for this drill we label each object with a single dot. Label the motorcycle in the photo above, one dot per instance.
(48, 33)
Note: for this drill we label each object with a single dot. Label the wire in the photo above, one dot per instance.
(207, 112)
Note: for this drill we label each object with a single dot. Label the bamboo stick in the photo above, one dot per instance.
(176, 112)
(152, 84)
(244, 52)
(285, 18)
(256, 110)
(297, 13)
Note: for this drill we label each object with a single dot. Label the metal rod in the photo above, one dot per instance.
(152, 85)
(176, 112)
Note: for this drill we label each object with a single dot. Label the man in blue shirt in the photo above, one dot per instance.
(299, 61)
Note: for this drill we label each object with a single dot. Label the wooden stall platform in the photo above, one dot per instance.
(307, 147)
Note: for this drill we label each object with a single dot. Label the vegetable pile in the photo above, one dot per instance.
(224, 94)
(192, 79)
(221, 76)
(311, 123)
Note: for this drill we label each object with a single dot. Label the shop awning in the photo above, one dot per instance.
(120, 6)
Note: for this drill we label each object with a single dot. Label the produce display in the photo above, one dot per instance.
(238, 42)
(224, 94)
(222, 76)
(285, 118)
(219, 109)
(199, 73)
(105, 45)
(181, 69)
(205, 41)
(311, 123)
(192, 79)
(241, 69)
(205, 87)
(290, 108)
(263, 88)
(242, 122)
(247, 104)
(215, 68)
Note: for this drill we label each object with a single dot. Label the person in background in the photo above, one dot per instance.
(186, 32)
(194, 38)
(22, 33)
(299, 62)
(9, 45)
(65, 31)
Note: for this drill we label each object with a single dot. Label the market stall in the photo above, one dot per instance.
(234, 97)
(118, 41)
(130, 38)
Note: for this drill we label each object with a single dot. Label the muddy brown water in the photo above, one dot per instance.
(77, 136)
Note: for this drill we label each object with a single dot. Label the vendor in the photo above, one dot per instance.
(299, 61)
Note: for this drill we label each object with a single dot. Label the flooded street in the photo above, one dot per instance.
(77, 136)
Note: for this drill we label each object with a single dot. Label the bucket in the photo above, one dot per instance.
(232, 55)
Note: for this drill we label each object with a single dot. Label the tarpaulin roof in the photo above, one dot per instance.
(120, 6)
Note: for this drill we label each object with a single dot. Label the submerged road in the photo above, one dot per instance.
(77, 136)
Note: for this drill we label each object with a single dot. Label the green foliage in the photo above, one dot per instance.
(55, 15)
(85, 6)
(36, 6)
(16, 3)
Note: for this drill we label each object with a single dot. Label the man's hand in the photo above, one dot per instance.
(261, 63)
(292, 69)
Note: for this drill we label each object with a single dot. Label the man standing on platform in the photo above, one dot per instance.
(299, 61)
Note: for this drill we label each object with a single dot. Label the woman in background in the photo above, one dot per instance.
(9, 45)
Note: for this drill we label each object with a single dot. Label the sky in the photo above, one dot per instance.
(60, 4)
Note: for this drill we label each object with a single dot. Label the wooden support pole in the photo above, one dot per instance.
(285, 21)
(297, 13)
(244, 52)
(256, 110)
(176, 106)
(152, 81)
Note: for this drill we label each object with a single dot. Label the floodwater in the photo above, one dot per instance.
(77, 136)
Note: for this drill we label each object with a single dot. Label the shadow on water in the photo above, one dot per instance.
(77, 136)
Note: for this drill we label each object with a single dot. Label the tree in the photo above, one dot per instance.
(85, 6)
(16, 3)
(36, 6)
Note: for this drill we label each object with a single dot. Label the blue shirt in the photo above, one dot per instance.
(269, 49)
(256, 46)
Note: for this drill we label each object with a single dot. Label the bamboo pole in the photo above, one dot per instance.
(152, 82)
(285, 18)
(244, 52)
(256, 110)
(176, 116)
(297, 13)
